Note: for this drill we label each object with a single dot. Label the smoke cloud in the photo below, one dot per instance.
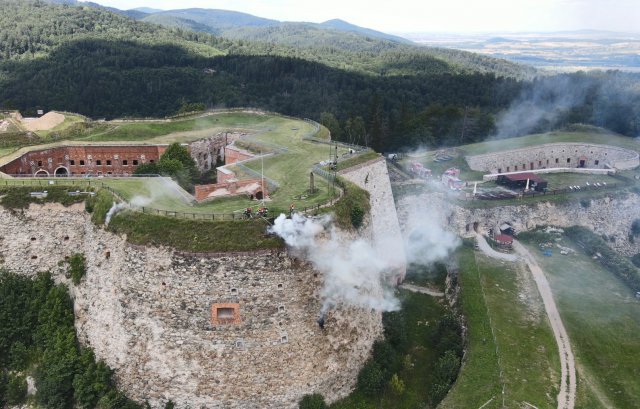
(355, 273)
(135, 203)
(426, 239)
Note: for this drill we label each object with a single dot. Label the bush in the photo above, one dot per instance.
(315, 401)
(635, 228)
(371, 379)
(615, 263)
(636, 260)
(16, 392)
(585, 203)
(77, 267)
(357, 216)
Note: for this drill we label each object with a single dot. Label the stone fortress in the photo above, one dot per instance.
(228, 330)
(555, 155)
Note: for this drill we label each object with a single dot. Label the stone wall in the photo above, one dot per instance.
(555, 155)
(373, 176)
(606, 216)
(147, 312)
(208, 150)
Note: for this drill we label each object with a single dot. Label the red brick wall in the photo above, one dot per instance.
(233, 155)
(202, 192)
(116, 160)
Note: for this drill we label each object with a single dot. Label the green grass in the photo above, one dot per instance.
(598, 137)
(20, 198)
(69, 120)
(421, 314)
(357, 160)
(602, 318)
(290, 169)
(503, 296)
(194, 235)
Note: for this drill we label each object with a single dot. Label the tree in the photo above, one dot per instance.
(92, 381)
(327, 119)
(16, 391)
(315, 401)
(371, 378)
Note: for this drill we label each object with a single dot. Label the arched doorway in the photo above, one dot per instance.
(259, 195)
(61, 171)
(41, 174)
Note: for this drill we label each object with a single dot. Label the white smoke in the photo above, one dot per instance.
(355, 273)
(135, 203)
(426, 240)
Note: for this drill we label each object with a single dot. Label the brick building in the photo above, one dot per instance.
(84, 160)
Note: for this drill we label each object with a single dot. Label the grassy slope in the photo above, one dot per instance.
(422, 313)
(603, 138)
(526, 350)
(290, 169)
(603, 321)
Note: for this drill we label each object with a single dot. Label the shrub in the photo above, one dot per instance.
(315, 401)
(636, 260)
(397, 384)
(77, 267)
(357, 216)
(16, 392)
(635, 228)
(371, 378)
(585, 203)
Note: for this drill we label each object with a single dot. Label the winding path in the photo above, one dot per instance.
(567, 395)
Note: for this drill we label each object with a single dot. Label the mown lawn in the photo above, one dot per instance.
(602, 318)
(510, 342)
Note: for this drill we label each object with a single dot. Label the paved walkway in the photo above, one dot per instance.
(567, 395)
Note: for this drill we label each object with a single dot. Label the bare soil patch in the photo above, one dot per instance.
(46, 122)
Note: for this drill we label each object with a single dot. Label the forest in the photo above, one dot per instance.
(389, 97)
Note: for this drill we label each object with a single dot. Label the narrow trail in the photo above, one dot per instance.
(419, 289)
(567, 394)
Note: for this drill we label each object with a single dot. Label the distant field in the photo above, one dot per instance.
(602, 318)
(510, 342)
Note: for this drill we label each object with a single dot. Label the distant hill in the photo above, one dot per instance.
(209, 20)
(146, 10)
(346, 26)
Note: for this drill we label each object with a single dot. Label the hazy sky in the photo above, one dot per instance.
(431, 15)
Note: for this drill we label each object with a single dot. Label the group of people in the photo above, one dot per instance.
(262, 212)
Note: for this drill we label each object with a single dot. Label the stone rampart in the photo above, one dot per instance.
(373, 176)
(148, 311)
(611, 217)
(555, 155)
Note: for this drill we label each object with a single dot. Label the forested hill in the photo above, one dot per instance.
(33, 29)
(335, 43)
(104, 65)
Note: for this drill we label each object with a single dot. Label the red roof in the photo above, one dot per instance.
(524, 176)
(504, 238)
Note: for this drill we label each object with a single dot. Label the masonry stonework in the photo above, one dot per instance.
(147, 312)
(555, 155)
(373, 176)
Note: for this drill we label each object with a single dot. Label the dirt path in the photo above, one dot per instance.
(567, 395)
(423, 290)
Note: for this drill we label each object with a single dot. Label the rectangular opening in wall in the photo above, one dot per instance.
(135, 162)
(81, 163)
(568, 160)
(108, 163)
(597, 162)
(125, 162)
(557, 160)
(225, 313)
(98, 162)
(72, 162)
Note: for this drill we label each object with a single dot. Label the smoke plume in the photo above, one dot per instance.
(355, 273)
(135, 203)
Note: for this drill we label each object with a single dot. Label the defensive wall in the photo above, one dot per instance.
(216, 331)
(113, 159)
(386, 236)
(555, 155)
(611, 217)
